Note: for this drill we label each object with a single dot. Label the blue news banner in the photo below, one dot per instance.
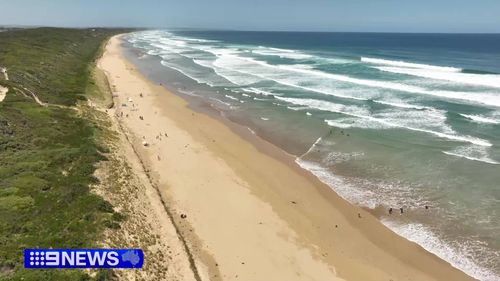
(83, 258)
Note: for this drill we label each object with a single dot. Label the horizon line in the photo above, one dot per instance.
(27, 26)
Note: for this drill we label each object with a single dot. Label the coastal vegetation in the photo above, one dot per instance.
(48, 148)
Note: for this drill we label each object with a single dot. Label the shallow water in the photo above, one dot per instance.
(387, 120)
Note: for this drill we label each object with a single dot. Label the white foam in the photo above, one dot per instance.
(233, 76)
(282, 53)
(248, 66)
(330, 60)
(336, 157)
(326, 106)
(476, 97)
(410, 65)
(204, 63)
(389, 121)
(474, 153)
(492, 99)
(321, 91)
(236, 76)
(297, 108)
(261, 92)
(165, 63)
(481, 119)
(153, 52)
(457, 255)
(162, 47)
(188, 93)
(231, 97)
(488, 80)
(339, 124)
(197, 40)
(460, 256)
(222, 102)
(264, 118)
(278, 49)
(485, 160)
(242, 71)
(458, 138)
(318, 140)
(217, 51)
(400, 104)
(347, 191)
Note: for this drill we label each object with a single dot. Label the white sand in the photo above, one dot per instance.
(3, 93)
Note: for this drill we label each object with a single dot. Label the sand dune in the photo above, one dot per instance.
(3, 93)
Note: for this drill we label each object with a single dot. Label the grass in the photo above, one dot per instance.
(48, 154)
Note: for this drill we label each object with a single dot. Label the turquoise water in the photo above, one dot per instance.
(387, 120)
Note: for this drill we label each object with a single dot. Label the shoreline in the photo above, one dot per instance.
(287, 221)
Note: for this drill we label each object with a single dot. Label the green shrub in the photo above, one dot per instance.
(48, 154)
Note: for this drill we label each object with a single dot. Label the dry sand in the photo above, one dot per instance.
(246, 210)
(3, 93)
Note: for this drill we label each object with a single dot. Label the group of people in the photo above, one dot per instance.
(401, 210)
(391, 210)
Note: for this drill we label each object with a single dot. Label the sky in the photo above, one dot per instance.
(469, 16)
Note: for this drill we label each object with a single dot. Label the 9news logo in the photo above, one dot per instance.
(83, 258)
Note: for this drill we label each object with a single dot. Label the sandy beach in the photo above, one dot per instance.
(243, 207)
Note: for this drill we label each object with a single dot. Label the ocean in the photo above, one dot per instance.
(396, 121)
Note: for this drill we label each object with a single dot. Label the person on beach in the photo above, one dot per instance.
(401, 210)
(390, 211)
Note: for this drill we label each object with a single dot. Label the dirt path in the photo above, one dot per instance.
(35, 97)
(3, 90)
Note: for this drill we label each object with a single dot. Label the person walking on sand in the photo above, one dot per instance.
(390, 211)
